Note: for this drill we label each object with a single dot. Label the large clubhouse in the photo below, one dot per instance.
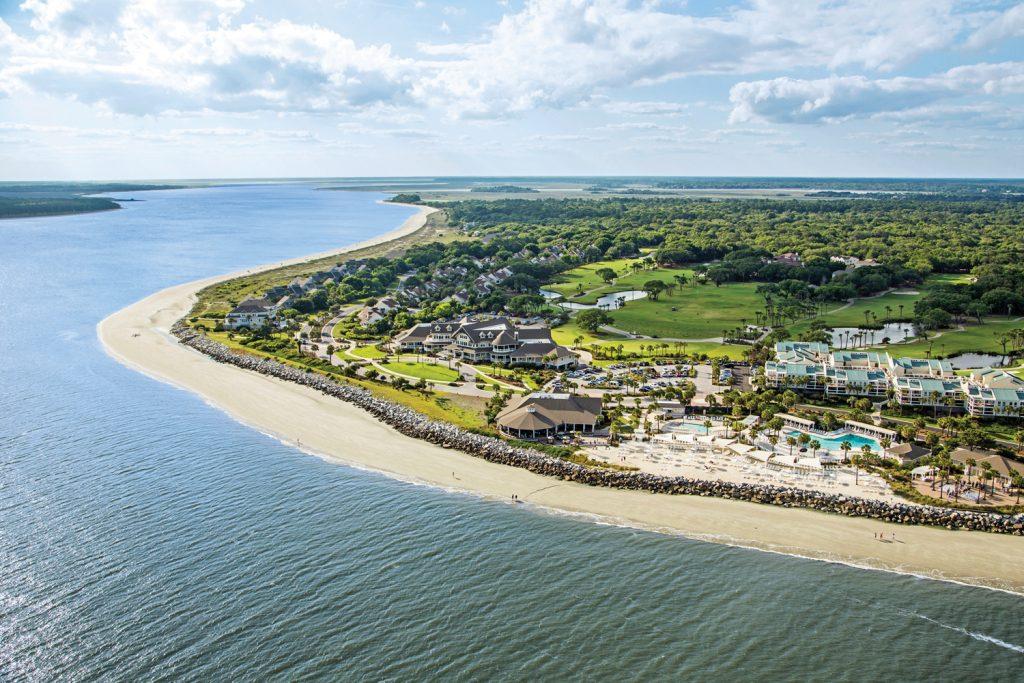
(914, 382)
(495, 340)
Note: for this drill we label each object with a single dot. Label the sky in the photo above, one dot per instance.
(119, 89)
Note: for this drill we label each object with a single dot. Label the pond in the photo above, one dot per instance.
(608, 302)
(970, 361)
(855, 337)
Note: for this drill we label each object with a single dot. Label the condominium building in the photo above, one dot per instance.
(913, 382)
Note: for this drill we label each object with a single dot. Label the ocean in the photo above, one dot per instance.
(145, 535)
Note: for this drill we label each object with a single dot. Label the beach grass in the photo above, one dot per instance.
(464, 411)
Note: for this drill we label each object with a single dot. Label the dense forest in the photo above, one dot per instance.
(24, 207)
(923, 235)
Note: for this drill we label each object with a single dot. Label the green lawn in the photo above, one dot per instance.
(980, 338)
(567, 283)
(875, 307)
(949, 279)
(853, 315)
(594, 288)
(369, 352)
(697, 312)
(428, 371)
(566, 333)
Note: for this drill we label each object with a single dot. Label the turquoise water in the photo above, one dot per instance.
(690, 427)
(856, 441)
(146, 536)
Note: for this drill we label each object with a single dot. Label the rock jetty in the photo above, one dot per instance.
(492, 449)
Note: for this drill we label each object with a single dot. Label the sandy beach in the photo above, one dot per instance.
(138, 336)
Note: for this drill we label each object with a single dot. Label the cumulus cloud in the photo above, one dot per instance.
(153, 56)
(1008, 24)
(144, 56)
(789, 100)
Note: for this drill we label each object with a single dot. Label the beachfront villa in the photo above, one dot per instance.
(253, 313)
(540, 415)
(497, 341)
(914, 382)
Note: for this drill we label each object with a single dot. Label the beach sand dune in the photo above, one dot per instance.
(139, 337)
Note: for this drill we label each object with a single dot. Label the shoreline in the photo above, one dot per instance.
(341, 432)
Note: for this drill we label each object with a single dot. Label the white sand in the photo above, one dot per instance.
(338, 431)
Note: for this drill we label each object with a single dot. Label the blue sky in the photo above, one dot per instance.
(250, 88)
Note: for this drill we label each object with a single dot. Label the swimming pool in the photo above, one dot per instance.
(694, 427)
(834, 441)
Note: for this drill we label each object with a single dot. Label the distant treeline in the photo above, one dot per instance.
(934, 185)
(23, 200)
(507, 189)
(24, 207)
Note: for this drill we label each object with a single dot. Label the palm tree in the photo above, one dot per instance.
(814, 445)
(971, 462)
(988, 475)
(855, 461)
(846, 447)
(790, 441)
(986, 472)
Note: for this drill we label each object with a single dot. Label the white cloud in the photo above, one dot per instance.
(645, 108)
(789, 100)
(158, 56)
(1009, 24)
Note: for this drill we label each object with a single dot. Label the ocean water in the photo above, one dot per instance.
(146, 536)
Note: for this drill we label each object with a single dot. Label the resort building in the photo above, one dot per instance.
(928, 392)
(984, 402)
(858, 360)
(541, 415)
(1002, 468)
(798, 351)
(995, 393)
(920, 367)
(907, 452)
(855, 382)
(496, 340)
(912, 382)
(253, 313)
